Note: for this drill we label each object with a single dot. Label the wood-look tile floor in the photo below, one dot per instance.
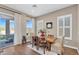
(24, 50)
(70, 51)
(19, 50)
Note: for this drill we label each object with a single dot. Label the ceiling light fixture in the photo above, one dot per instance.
(34, 5)
(34, 8)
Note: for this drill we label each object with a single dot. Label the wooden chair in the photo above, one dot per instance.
(23, 40)
(35, 41)
(58, 46)
(50, 40)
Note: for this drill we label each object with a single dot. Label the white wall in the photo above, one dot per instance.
(54, 26)
(53, 17)
(34, 28)
(20, 28)
(78, 26)
(52, 31)
(17, 35)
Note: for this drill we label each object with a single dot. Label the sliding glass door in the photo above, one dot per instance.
(6, 32)
(2, 31)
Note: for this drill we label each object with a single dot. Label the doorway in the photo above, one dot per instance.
(29, 27)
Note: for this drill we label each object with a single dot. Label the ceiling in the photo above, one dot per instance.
(39, 10)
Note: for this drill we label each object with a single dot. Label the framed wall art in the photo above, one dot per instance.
(49, 25)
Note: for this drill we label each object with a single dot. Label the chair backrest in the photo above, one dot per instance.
(51, 36)
(58, 45)
(24, 37)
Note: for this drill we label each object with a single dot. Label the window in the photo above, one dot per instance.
(29, 24)
(64, 26)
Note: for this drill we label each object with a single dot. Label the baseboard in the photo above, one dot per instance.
(78, 50)
(71, 47)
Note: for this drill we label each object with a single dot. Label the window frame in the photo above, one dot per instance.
(63, 18)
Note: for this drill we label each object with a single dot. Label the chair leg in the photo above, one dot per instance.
(62, 52)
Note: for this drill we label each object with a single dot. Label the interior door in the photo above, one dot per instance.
(39, 26)
(29, 27)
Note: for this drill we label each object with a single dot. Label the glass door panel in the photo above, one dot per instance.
(2, 31)
(29, 26)
(6, 32)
